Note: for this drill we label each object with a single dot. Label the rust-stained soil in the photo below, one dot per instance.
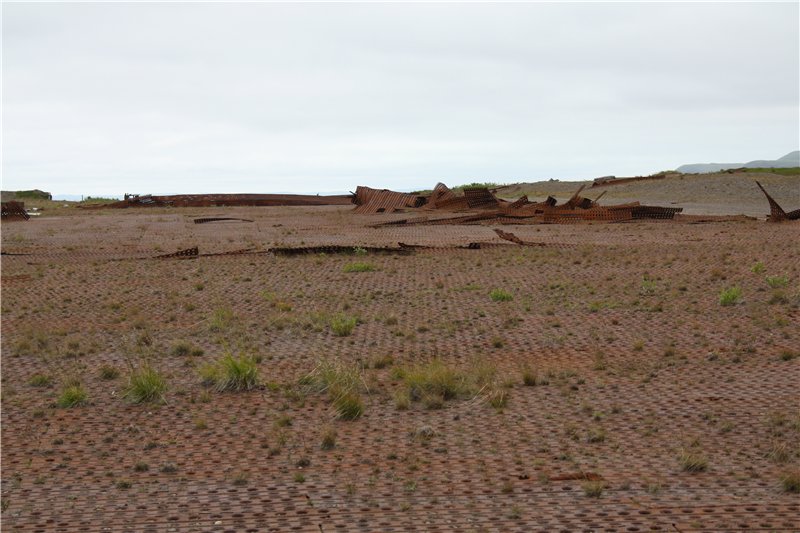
(640, 374)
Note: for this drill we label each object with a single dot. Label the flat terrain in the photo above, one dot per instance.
(648, 404)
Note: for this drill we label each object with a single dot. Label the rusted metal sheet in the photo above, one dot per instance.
(350, 250)
(369, 201)
(776, 212)
(223, 200)
(205, 220)
(14, 211)
(480, 198)
(189, 253)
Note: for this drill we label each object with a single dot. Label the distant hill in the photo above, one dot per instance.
(790, 160)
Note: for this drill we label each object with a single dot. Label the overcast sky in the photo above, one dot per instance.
(104, 99)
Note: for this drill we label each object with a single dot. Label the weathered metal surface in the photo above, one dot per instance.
(189, 253)
(369, 201)
(350, 250)
(223, 200)
(776, 212)
(14, 211)
(205, 220)
(480, 198)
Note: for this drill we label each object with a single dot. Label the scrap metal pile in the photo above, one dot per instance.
(219, 200)
(491, 208)
(14, 211)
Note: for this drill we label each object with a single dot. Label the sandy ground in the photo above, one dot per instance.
(639, 371)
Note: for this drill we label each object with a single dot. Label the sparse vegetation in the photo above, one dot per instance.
(343, 325)
(145, 385)
(790, 481)
(777, 282)
(181, 349)
(343, 384)
(231, 373)
(500, 295)
(73, 395)
(692, 461)
(730, 296)
(359, 267)
(40, 380)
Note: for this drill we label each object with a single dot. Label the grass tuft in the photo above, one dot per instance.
(730, 296)
(790, 481)
(499, 295)
(359, 267)
(73, 395)
(343, 325)
(692, 461)
(231, 373)
(145, 385)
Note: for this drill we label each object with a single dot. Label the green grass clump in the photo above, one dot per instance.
(343, 325)
(777, 282)
(499, 295)
(231, 373)
(359, 267)
(145, 385)
(757, 268)
(73, 395)
(40, 380)
(730, 296)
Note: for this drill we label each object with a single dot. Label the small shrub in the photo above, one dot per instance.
(40, 380)
(359, 251)
(730, 296)
(181, 349)
(221, 319)
(145, 384)
(788, 355)
(359, 267)
(141, 467)
(328, 439)
(240, 479)
(343, 325)
(343, 384)
(499, 295)
(498, 398)
(692, 461)
(73, 395)
(757, 268)
(593, 489)
(349, 405)
(108, 372)
(124, 484)
(529, 377)
(790, 481)
(231, 373)
(382, 362)
(777, 282)
(433, 379)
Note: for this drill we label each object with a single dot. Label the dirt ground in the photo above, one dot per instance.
(649, 405)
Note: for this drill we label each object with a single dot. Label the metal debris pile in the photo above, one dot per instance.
(494, 209)
(222, 200)
(14, 211)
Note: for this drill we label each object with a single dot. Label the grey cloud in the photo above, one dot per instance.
(105, 98)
